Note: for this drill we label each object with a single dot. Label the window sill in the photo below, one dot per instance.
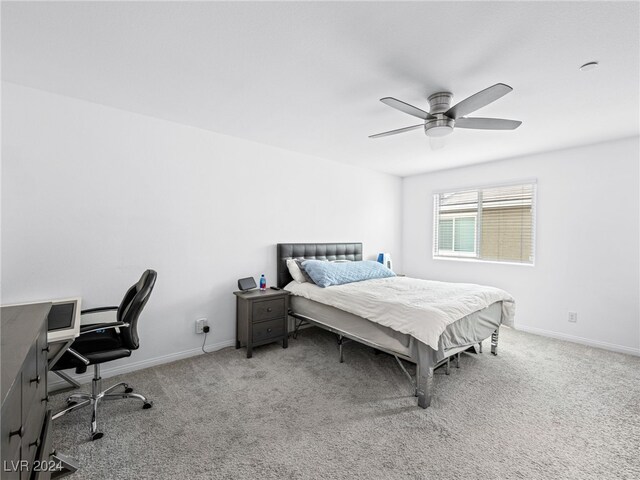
(479, 260)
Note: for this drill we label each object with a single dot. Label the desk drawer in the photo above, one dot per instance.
(268, 309)
(266, 330)
(31, 380)
(35, 412)
(44, 453)
(42, 369)
(32, 435)
(11, 422)
(43, 352)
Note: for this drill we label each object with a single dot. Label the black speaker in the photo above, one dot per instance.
(245, 284)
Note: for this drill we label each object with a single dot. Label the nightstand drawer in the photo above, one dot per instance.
(265, 330)
(268, 309)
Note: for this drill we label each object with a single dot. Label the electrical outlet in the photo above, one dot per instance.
(573, 317)
(200, 324)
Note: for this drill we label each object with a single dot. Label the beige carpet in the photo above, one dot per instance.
(542, 409)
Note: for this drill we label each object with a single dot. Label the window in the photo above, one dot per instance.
(457, 234)
(490, 223)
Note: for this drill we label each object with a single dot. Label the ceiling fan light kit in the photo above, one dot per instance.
(440, 126)
(441, 119)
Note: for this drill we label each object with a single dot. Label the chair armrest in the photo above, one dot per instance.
(82, 358)
(97, 309)
(94, 327)
(94, 316)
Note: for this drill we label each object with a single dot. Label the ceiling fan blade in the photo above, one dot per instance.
(399, 130)
(487, 123)
(406, 108)
(478, 100)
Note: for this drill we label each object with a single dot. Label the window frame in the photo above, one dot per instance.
(459, 256)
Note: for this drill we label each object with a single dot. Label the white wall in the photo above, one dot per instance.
(92, 196)
(587, 255)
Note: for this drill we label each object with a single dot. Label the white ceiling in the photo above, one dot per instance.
(307, 76)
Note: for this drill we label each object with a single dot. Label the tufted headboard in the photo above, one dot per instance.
(314, 251)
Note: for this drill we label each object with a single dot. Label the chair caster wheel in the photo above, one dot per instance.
(147, 405)
(128, 390)
(96, 436)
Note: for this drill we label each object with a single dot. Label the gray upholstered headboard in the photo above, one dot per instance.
(314, 251)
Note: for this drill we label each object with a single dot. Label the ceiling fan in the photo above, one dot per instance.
(442, 119)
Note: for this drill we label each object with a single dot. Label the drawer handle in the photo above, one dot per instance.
(268, 329)
(35, 444)
(269, 309)
(36, 380)
(19, 432)
(46, 349)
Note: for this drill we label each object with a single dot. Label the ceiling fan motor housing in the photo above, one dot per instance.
(441, 125)
(439, 102)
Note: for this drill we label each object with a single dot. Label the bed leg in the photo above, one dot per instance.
(425, 376)
(447, 370)
(458, 360)
(494, 342)
(340, 348)
(296, 326)
(480, 347)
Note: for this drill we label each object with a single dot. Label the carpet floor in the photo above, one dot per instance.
(541, 409)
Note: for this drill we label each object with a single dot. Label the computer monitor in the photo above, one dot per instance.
(62, 315)
(64, 319)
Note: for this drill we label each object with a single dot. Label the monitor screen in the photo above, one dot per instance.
(61, 315)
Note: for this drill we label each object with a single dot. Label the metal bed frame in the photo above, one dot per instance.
(342, 335)
(425, 358)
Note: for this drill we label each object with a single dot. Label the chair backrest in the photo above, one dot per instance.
(131, 307)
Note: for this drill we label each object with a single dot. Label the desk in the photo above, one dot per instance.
(63, 327)
(26, 417)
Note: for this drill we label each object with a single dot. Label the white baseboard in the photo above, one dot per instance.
(106, 372)
(584, 341)
(55, 381)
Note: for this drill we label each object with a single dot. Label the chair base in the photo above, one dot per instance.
(97, 395)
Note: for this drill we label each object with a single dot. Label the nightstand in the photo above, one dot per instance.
(261, 318)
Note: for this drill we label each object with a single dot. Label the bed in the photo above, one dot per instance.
(330, 309)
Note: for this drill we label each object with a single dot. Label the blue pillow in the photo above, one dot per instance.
(325, 274)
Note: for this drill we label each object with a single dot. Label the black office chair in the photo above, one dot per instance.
(102, 342)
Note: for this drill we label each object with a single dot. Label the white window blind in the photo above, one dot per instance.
(489, 223)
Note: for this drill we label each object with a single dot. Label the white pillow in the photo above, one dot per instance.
(295, 272)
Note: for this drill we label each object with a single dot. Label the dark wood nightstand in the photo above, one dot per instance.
(261, 318)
